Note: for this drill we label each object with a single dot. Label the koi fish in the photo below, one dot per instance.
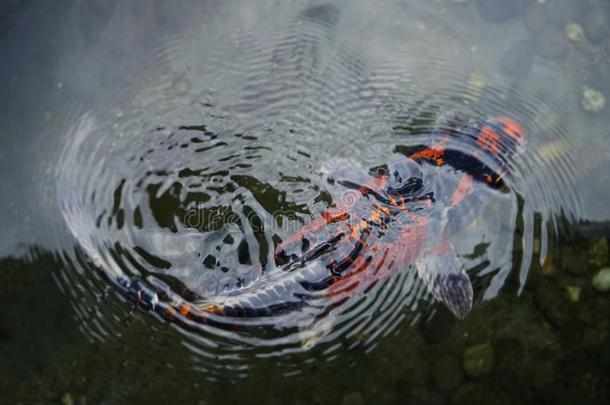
(401, 218)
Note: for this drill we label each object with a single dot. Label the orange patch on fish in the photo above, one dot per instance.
(330, 218)
(185, 309)
(432, 153)
(462, 189)
(512, 128)
(489, 139)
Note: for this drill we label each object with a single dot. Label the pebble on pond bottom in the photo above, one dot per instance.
(479, 360)
(592, 100)
(574, 32)
(601, 280)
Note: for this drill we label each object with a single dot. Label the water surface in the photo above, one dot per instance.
(180, 144)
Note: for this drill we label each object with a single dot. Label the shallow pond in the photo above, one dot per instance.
(346, 202)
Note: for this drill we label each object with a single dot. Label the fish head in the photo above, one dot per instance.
(404, 176)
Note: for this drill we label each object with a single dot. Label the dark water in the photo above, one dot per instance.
(178, 143)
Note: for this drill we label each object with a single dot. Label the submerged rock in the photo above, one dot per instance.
(542, 374)
(598, 252)
(550, 44)
(592, 100)
(67, 399)
(593, 339)
(479, 361)
(595, 311)
(518, 59)
(473, 393)
(535, 17)
(601, 280)
(447, 374)
(553, 303)
(573, 293)
(596, 26)
(553, 150)
(353, 398)
(560, 12)
(531, 334)
(441, 328)
(476, 83)
(574, 32)
(424, 395)
(501, 10)
(573, 262)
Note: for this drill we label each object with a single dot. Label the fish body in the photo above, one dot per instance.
(404, 217)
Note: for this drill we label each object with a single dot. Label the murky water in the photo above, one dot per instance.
(199, 205)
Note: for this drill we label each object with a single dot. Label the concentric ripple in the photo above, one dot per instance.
(189, 187)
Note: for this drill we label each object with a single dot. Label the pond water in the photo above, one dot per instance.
(201, 205)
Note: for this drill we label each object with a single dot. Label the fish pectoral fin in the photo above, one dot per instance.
(445, 277)
(456, 293)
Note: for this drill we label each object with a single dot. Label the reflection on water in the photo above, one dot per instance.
(186, 146)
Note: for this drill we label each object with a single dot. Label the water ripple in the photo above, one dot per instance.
(191, 185)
